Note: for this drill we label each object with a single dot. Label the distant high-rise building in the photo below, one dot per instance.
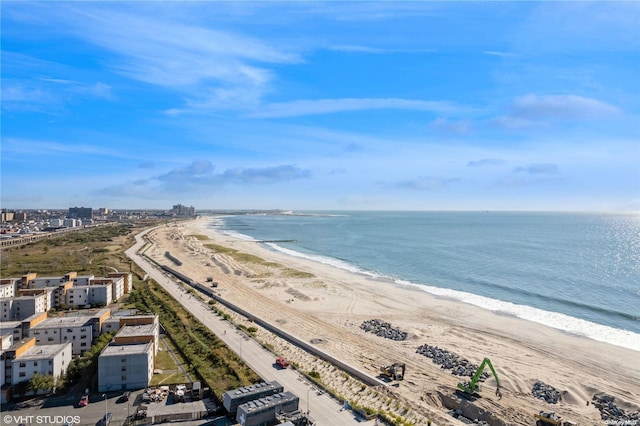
(81, 213)
(183, 211)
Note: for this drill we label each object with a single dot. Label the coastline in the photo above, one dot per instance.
(331, 307)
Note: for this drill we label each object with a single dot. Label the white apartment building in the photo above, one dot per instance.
(56, 223)
(136, 334)
(128, 280)
(82, 280)
(50, 360)
(75, 330)
(86, 295)
(8, 287)
(123, 367)
(71, 223)
(21, 307)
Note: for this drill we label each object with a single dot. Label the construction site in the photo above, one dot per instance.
(381, 367)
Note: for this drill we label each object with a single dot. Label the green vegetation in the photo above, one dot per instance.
(39, 382)
(87, 252)
(86, 366)
(198, 237)
(250, 258)
(208, 357)
(293, 273)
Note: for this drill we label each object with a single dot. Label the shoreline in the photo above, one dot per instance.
(573, 326)
(331, 306)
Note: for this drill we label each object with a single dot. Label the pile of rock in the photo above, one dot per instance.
(610, 411)
(450, 361)
(457, 414)
(383, 329)
(545, 392)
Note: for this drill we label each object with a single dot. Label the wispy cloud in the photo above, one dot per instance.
(331, 106)
(201, 175)
(500, 54)
(426, 183)
(43, 148)
(49, 95)
(212, 67)
(486, 162)
(538, 169)
(537, 107)
(534, 110)
(459, 127)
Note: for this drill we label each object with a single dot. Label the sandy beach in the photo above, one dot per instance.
(325, 306)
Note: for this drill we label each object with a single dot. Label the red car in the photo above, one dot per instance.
(83, 401)
(282, 362)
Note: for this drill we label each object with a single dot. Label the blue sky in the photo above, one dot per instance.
(321, 105)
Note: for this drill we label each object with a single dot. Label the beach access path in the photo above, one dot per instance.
(325, 410)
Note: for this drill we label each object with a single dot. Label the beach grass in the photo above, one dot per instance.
(250, 258)
(198, 237)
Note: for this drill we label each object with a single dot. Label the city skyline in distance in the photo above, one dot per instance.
(321, 106)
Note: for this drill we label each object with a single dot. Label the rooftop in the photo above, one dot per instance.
(269, 401)
(137, 330)
(119, 350)
(64, 322)
(44, 351)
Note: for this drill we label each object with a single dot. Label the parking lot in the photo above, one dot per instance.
(56, 411)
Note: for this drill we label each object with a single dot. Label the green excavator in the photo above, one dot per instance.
(470, 388)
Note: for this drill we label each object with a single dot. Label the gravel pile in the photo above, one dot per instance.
(458, 415)
(610, 411)
(545, 392)
(383, 329)
(450, 361)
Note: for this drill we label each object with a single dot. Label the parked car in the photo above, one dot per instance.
(106, 419)
(83, 401)
(124, 397)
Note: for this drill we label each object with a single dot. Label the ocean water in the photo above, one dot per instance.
(579, 273)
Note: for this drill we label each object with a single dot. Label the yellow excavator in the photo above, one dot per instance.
(394, 371)
(551, 419)
(470, 388)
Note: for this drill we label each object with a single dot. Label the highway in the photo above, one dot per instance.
(323, 409)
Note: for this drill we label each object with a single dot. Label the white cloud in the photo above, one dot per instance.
(426, 183)
(536, 107)
(330, 106)
(538, 169)
(201, 176)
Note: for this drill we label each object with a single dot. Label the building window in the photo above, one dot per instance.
(35, 363)
(50, 362)
(123, 360)
(22, 374)
(83, 344)
(22, 364)
(50, 339)
(84, 336)
(123, 378)
(124, 368)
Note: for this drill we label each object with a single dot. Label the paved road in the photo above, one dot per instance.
(323, 409)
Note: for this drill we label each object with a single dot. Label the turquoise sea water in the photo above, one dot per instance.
(576, 272)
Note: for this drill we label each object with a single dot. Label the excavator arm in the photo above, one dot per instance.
(472, 386)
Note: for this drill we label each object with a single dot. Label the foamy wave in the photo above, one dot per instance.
(562, 322)
(321, 259)
(565, 323)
